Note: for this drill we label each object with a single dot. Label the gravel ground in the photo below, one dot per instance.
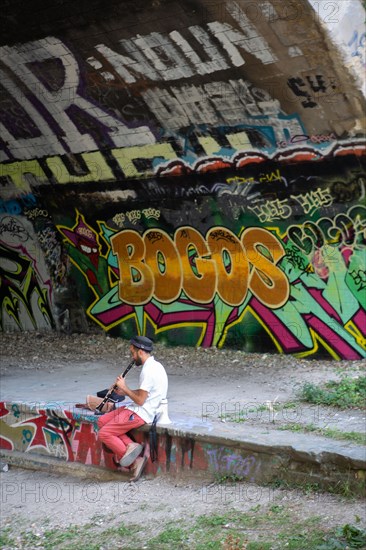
(37, 502)
(38, 350)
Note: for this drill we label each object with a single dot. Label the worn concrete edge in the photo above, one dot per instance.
(304, 449)
(45, 463)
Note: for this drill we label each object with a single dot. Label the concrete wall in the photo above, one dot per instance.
(60, 438)
(193, 171)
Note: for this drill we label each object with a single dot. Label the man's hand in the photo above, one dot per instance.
(121, 385)
(138, 396)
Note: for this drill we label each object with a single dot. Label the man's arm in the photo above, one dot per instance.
(138, 396)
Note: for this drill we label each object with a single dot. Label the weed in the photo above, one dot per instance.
(210, 545)
(259, 546)
(123, 531)
(276, 508)
(296, 427)
(255, 508)
(5, 538)
(306, 488)
(227, 478)
(334, 433)
(213, 521)
(172, 536)
(348, 537)
(304, 540)
(345, 394)
(355, 437)
(290, 405)
(345, 488)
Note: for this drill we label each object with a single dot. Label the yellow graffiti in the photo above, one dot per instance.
(238, 180)
(96, 165)
(126, 155)
(201, 288)
(156, 266)
(98, 169)
(16, 171)
(239, 141)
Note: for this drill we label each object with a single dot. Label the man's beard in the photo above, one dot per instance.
(138, 361)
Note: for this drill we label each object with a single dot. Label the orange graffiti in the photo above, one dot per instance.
(155, 265)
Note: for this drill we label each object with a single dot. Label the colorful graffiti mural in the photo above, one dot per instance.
(50, 430)
(25, 289)
(60, 431)
(201, 179)
(271, 254)
(63, 433)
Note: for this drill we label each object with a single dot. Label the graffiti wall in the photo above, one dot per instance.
(58, 430)
(271, 255)
(190, 171)
(25, 291)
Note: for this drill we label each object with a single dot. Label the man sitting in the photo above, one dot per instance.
(153, 387)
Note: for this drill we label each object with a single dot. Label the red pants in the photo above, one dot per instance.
(113, 427)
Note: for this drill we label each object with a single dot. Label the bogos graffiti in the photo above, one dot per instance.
(155, 265)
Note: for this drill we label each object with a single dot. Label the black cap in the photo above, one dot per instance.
(141, 342)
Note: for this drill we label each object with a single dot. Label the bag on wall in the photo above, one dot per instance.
(92, 401)
(113, 397)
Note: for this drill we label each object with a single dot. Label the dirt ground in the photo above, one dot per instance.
(36, 501)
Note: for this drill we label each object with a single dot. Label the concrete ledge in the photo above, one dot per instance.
(34, 461)
(49, 434)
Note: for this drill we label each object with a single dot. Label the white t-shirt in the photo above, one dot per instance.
(154, 380)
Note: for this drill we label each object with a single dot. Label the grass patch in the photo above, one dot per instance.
(334, 433)
(347, 488)
(5, 538)
(274, 528)
(348, 393)
(305, 488)
(84, 537)
(170, 537)
(346, 537)
(227, 478)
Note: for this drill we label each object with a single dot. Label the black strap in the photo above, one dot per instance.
(153, 439)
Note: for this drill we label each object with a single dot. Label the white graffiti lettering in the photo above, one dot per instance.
(61, 105)
(272, 210)
(311, 202)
